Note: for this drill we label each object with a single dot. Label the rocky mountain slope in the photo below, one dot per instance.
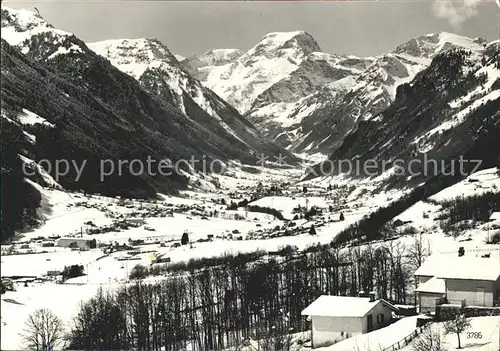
(308, 100)
(449, 112)
(209, 124)
(215, 57)
(154, 66)
(331, 114)
(277, 55)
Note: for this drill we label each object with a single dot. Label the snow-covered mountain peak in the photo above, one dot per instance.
(319, 120)
(211, 58)
(481, 41)
(143, 49)
(19, 25)
(23, 19)
(429, 45)
(241, 80)
(295, 44)
(134, 56)
(30, 33)
(282, 38)
(217, 57)
(150, 62)
(402, 64)
(494, 43)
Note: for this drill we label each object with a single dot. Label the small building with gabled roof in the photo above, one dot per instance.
(334, 318)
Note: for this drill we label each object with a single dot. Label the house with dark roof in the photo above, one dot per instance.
(334, 318)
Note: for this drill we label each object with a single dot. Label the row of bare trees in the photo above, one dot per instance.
(44, 331)
(222, 306)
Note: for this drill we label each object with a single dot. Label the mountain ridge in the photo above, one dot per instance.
(95, 112)
(152, 64)
(448, 111)
(301, 108)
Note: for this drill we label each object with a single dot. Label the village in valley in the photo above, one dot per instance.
(249, 240)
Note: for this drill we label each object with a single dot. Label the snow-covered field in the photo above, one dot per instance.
(378, 339)
(481, 182)
(384, 338)
(286, 204)
(62, 299)
(424, 215)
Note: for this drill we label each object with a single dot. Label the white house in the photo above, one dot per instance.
(453, 279)
(334, 318)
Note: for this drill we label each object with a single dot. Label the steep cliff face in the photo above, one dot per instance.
(322, 119)
(157, 69)
(214, 57)
(448, 112)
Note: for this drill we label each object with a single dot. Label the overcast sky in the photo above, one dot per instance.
(361, 28)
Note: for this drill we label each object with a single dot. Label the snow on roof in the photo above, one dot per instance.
(433, 285)
(429, 267)
(342, 306)
(495, 216)
(454, 267)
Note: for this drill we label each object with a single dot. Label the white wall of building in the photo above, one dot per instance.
(427, 301)
(475, 292)
(379, 309)
(328, 330)
(423, 279)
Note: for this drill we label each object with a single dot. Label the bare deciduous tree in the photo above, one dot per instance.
(417, 252)
(429, 340)
(43, 330)
(416, 255)
(457, 324)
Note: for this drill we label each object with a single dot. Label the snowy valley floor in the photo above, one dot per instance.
(229, 231)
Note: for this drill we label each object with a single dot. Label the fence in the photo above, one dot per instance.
(406, 340)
